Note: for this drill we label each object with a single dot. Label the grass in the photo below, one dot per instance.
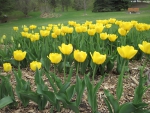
(78, 16)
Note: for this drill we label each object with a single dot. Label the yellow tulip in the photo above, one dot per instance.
(103, 36)
(32, 27)
(78, 29)
(25, 29)
(99, 28)
(127, 51)
(55, 57)
(15, 28)
(112, 37)
(54, 35)
(112, 20)
(35, 65)
(34, 37)
(44, 33)
(7, 67)
(98, 58)
(145, 47)
(108, 25)
(80, 56)
(66, 49)
(4, 36)
(19, 55)
(122, 32)
(91, 32)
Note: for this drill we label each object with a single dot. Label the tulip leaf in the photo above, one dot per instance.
(127, 108)
(5, 101)
(64, 87)
(108, 105)
(114, 103)
(50, 97)
(70, 92)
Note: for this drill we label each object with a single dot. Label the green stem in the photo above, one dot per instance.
(54, 69)
(120, 82)
(94, 74)
(65, 69)
(77, 69)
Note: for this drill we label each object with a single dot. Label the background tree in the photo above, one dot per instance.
(110, 5)
(24, 6)
(6, 6)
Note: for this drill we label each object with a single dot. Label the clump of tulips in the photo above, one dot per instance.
(85, 49)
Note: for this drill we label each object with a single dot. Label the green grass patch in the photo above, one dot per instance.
(78, 16)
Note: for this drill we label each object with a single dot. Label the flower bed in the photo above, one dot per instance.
(88, 49)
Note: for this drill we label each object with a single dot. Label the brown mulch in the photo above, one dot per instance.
(130, 82)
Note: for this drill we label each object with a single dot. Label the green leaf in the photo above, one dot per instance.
(99, 84)
(64, 87)
(70, 92)
(108, 105)
(114, 103)
(5, 101)
(50, 97)
(70, 74)
(127, 108)
(30, 95)
(51, 82)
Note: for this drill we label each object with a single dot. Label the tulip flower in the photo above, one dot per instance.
(103, 36)
(98, 58)
(55, 57)
(19, 55)
(145, 47)
(112, 37)
(66, 49)
(127, 51)
(122, 31)
(7, 67)
(15, 28)
(35, 65)
(25, 29)
(91, 32)
(80, 56)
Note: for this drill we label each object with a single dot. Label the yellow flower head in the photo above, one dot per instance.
(91, 32)
(78, 29)
(25, 29)
(34, 37)
(122, 32)
(112, 37)
(4, 36)
(54, 35)
(99, 28)
(35, 65)
(103, 36)
(15, 28)
(7, 67)
(145, 47)
(98, 58)
(66, 49)
(19, 55)
(44, 33)
(32, 27)
(80, 56)
(108, 25)
(112, 20)
(127, 51)
(55, 57)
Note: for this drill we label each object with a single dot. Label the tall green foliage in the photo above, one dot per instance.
(110, 5)
(5, 6)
